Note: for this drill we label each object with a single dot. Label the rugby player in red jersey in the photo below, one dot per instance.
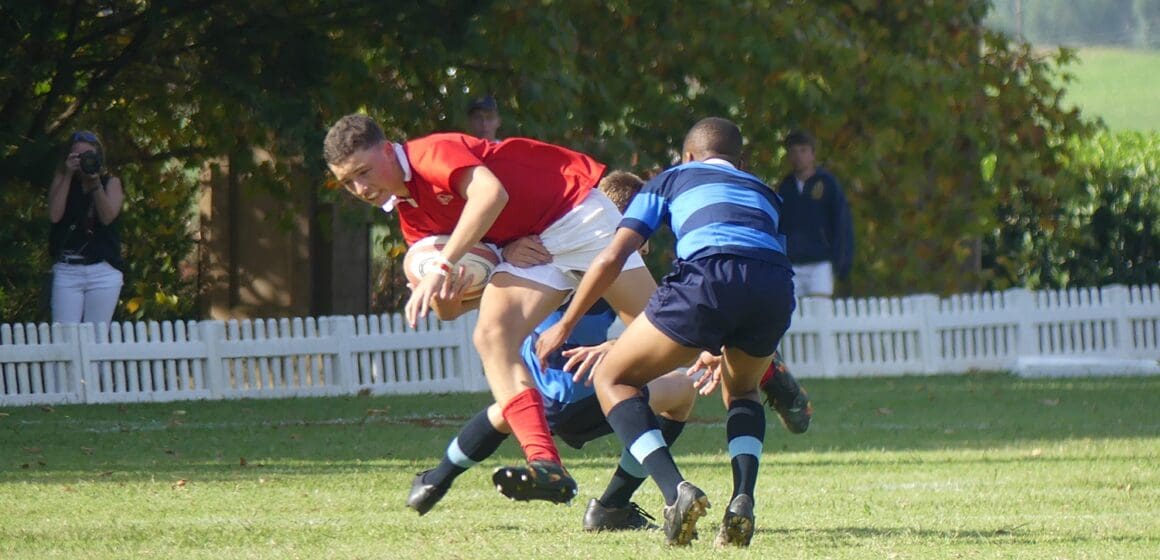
(495, 192)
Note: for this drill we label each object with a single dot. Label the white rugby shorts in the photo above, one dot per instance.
(574, 240)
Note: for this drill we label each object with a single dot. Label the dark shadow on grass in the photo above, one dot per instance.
(321, 466)
(934, 413)
(1012, 535)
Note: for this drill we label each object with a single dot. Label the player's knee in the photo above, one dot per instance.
(673, 395)
(491, 338)
(686, 396)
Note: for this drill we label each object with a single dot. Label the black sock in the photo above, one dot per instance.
(745, 430)
(671, 429)
(476, 441)
(630, 474)
(638, 429)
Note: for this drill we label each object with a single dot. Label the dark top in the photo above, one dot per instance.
(80, 231)
(817, 221)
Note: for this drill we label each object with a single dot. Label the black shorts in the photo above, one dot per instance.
(580, 422)
(724, 300)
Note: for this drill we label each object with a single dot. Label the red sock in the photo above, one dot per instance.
(775, 367)
(768, 374)
(525, 414)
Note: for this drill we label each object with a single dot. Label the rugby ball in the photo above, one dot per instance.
(479, 262)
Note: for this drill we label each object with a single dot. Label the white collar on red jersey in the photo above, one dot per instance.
(392, 202)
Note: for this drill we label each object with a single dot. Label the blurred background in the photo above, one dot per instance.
(982, 144)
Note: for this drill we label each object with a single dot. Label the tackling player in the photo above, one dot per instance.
(730, 292)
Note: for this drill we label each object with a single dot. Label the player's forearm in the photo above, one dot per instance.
(486, 198)
(600, 275)
(451, 312)
(478, 217)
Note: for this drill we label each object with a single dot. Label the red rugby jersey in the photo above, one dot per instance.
(543, 182)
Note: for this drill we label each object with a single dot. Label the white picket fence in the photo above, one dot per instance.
(121, 362)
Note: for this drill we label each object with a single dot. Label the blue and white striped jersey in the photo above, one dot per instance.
(712, 209)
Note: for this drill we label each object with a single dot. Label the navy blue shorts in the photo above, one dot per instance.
(724, 300)
(579, 422)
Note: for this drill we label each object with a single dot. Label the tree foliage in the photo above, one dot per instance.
(172, 86)
(931, 122)
(907, 100)
(1102, 225)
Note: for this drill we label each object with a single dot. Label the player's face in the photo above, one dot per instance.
(801, 157)
(372, 175)
(483, 124)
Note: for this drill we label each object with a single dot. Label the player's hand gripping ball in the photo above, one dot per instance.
(479, 262)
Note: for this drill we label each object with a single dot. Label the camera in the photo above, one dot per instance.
(90, 163)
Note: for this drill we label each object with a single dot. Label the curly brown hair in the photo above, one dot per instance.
(351, 134)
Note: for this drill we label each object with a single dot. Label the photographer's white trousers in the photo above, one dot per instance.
(85, 293)
(813, 280)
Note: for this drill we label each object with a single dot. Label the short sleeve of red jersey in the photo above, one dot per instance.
(436, 158)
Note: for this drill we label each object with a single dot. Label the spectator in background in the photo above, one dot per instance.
(816, 221)
(483, 118)
(84, 202)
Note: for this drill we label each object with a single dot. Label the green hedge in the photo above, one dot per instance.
(1104, 227)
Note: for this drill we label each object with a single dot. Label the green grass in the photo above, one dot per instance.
(979, 466)
(1122, 86)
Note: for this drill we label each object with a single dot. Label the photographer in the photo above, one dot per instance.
(83, 204)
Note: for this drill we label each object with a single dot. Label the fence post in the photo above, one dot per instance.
(928, 343)
(342, 329)
(1115, 298)
(822, 309)
(1021, 304)
(213, 332)
(81, 335)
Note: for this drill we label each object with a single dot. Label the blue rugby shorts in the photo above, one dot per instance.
(724, 300)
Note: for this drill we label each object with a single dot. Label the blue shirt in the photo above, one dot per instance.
(713, 210)
(554, 383)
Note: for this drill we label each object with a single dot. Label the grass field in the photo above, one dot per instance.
(978, 466)
(1122, 86)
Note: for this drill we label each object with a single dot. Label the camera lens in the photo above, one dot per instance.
(90, 162)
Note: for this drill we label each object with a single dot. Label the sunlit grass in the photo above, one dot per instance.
(982, 466)
(1121, 86)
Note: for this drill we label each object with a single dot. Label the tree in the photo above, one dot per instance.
(932, 122)
(171, 86)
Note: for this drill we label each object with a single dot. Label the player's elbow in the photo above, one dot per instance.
(500, 196)
(609, 259)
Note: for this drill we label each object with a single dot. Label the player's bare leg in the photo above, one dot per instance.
(640, 355)
(745, 433)
(509, 310)
(672, 395)
(629, 294)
